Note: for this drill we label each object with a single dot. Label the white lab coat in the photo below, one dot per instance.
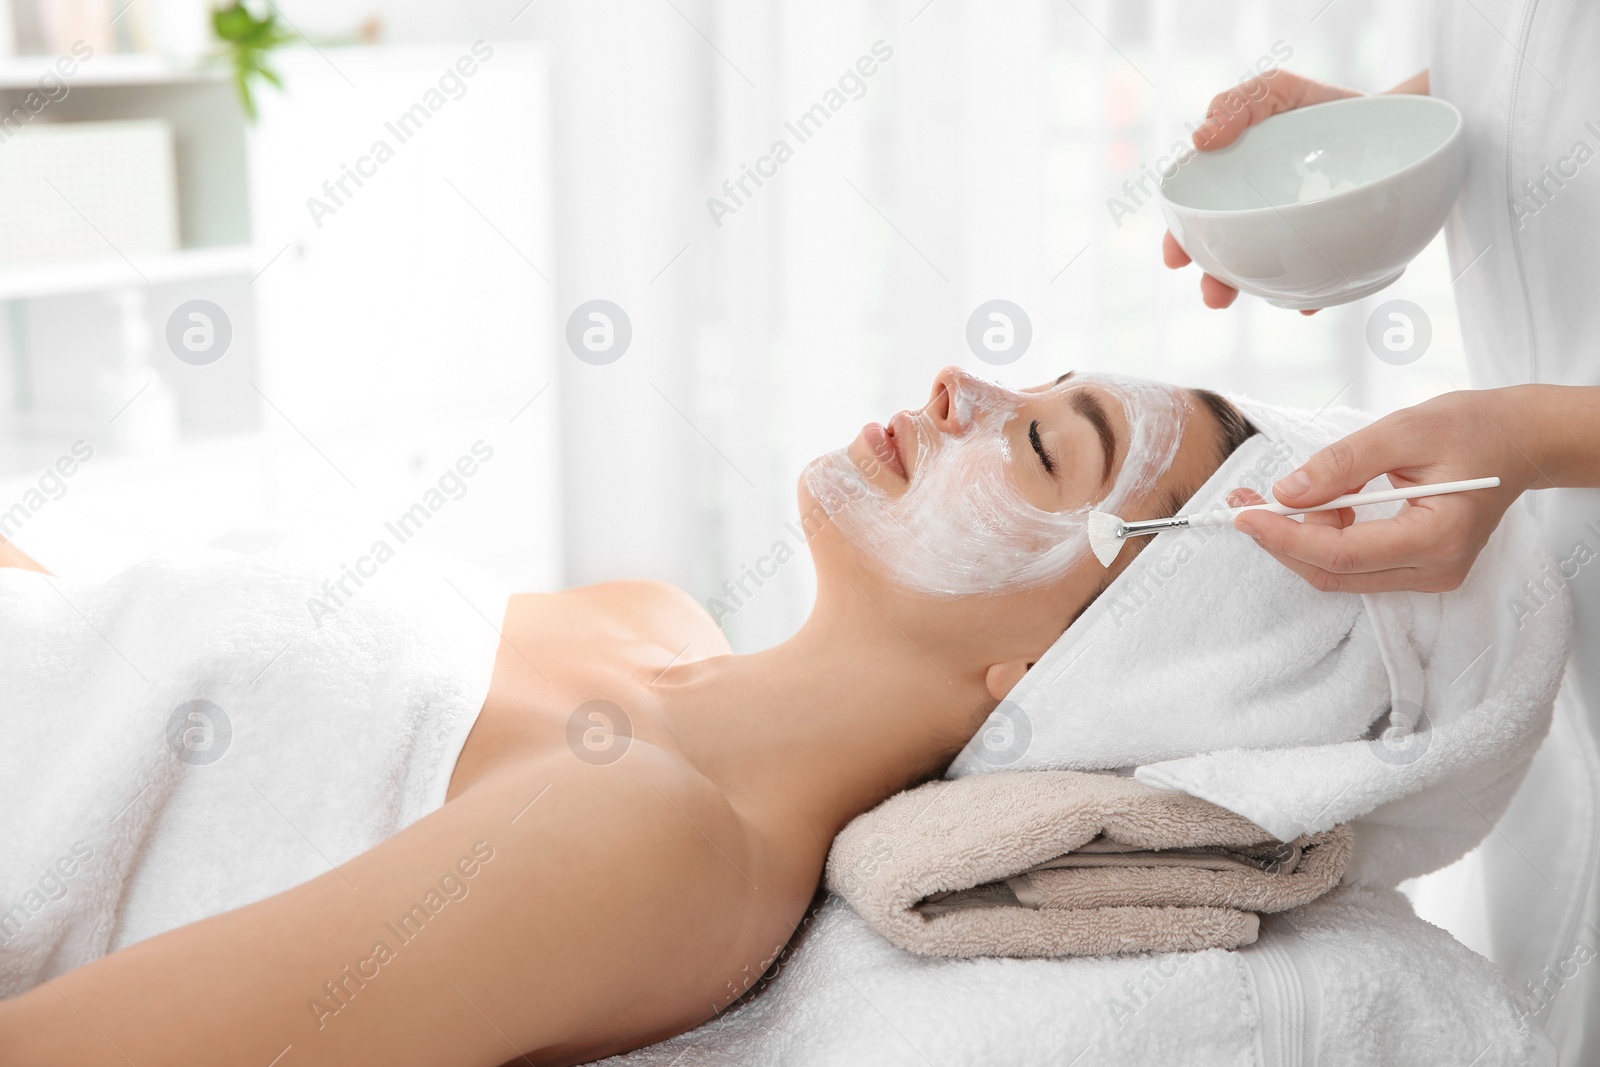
(1525, 76)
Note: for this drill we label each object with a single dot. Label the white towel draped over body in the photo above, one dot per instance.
(1214, 670)
(185, 738)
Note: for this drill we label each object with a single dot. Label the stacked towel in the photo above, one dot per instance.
(1215, 671)
(1061, 863)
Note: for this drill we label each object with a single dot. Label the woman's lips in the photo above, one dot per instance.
(881, 440)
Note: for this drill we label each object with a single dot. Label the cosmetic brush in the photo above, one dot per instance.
(1107, 532)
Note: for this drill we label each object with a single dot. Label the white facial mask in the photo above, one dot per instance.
(963, 526)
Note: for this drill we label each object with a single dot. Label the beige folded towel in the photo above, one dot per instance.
(1063, 863)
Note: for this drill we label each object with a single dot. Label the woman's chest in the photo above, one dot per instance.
(574, 672)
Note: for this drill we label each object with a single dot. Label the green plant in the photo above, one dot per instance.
(249, 41)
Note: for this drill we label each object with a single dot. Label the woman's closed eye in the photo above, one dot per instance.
(1038, 447)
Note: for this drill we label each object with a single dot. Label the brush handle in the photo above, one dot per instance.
(1225, 516)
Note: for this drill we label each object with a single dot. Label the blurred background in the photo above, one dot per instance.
(396, 243)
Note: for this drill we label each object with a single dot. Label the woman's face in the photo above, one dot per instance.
(985, 490)
(981, 497)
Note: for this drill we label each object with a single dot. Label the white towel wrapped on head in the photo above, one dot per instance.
(1214, 670)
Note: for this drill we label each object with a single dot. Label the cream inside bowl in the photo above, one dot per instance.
(1321, 205)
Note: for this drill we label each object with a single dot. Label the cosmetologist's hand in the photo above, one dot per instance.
(1230, 114)
(1431, 543)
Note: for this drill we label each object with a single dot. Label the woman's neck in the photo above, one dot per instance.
(825, 725)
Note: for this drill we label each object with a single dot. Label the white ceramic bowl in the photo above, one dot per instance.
(1324, 204)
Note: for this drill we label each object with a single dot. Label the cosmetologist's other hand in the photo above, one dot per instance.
(1234, 111)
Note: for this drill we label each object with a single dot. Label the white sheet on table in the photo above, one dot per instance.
(1353, 979)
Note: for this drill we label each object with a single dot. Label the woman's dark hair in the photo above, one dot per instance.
(1236, 429)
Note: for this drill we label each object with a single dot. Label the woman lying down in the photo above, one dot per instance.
(439, 836)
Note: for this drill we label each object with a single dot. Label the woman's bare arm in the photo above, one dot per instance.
(12, 556)
(597, 909)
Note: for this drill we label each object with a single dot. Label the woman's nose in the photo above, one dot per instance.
(956, 396)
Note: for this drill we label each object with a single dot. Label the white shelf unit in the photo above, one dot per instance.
(98, 275)
(82, 339)
(368, 355)
(24, 72)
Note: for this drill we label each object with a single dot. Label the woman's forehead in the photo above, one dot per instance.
(1045, 387)
(1078, 379)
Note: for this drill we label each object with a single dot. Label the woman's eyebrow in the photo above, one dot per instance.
(1090, 407)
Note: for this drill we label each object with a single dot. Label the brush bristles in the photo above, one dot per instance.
(1106, 533)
